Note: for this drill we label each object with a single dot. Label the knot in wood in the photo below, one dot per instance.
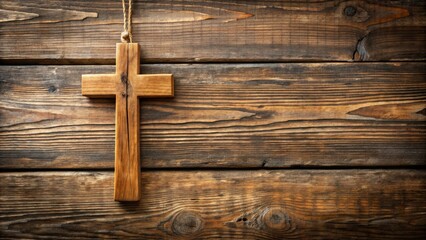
(123, 78)
(186, 222)
(350, 11)
(275, 218)
(356, 13)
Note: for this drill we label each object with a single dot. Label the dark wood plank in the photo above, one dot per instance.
(287, 204)
(223, 115)
(186, 30)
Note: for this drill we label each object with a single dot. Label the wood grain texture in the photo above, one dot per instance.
(186, 30)
(223, 115)
(282, 204)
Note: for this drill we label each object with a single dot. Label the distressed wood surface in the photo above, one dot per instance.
(223, 115)
(68, 31)
(282, 204)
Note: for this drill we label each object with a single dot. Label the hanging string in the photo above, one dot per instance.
(126, 35)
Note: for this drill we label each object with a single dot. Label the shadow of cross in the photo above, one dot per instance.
(126, 85)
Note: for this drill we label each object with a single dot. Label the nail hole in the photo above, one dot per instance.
(52, 89)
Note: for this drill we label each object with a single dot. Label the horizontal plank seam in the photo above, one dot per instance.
(378, 167)
(112, 62)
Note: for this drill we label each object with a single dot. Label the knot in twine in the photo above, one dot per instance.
(125, 37)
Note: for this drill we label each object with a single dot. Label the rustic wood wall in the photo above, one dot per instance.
(292, 119)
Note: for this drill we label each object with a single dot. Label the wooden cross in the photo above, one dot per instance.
(126, 85)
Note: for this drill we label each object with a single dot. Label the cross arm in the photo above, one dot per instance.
(99, 85)
(154, 85)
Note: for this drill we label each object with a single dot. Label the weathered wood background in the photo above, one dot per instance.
(264, 90)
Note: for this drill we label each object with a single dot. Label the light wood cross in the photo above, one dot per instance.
(126, 85)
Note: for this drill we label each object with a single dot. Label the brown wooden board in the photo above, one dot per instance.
(282, 204)
(223, 115)
(66, 31)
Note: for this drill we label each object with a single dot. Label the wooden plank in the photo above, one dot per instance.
(286, 204)
(186, 30)
(223, 115)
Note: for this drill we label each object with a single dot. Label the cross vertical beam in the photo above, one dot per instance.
(126, 85)
(127, 156)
